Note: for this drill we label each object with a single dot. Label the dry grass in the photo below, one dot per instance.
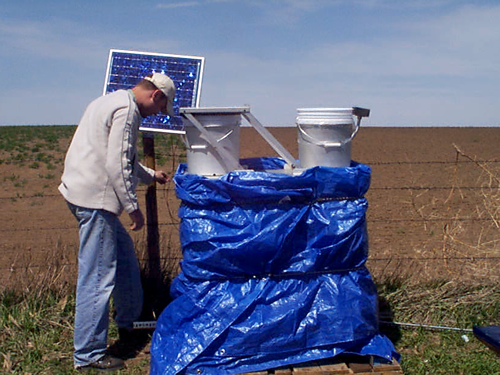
(441, 303)
(54, 269)
(475, 244)
(37, 307)
(460, 230)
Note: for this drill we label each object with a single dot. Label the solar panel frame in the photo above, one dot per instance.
(126, 68)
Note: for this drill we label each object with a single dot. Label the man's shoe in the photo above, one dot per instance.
(127, 335)
(106, 363)
(129, 343)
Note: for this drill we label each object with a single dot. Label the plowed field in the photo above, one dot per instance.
(433, 209)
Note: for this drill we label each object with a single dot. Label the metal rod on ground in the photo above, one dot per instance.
(441, 328)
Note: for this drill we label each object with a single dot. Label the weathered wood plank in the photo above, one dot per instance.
(322, 369)
(283, 371)
(336, 369)
(325, 368)
(381, 367)
(307, 369)
(360, 368)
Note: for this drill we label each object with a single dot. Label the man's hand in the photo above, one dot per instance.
(137, 220)
(161, 177)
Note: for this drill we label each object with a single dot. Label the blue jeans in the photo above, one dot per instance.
(107, 265)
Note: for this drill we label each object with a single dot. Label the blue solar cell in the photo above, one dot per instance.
(127, 68)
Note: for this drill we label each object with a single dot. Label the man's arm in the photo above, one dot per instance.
(120, 159)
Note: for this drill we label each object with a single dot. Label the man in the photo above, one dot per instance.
(100, 176)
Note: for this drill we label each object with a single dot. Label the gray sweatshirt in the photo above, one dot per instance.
(101, 170)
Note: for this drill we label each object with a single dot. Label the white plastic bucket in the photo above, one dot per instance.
(324, 136)
(202, 157)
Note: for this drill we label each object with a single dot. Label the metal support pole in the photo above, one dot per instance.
(273, 142)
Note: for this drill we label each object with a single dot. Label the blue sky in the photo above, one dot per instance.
(412, 62)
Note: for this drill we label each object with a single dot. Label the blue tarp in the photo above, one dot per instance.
(273, 272)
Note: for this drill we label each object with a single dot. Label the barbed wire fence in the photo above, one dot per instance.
(393, 259)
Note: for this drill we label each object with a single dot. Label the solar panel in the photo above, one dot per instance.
(127, 68)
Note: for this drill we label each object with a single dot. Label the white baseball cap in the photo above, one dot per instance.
(166, 85)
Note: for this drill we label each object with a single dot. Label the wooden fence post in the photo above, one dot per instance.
(153, 276)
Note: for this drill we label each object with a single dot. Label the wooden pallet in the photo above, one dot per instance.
(325, 368)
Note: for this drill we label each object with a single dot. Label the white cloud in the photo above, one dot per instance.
(432, 72)
(47, 105)
(51, 39)
(70, 41)
(289, 12)
(184, 4)
(189, 4)
(414, 5)
(468, 26)
(415, 72)
(452, 45)
(64, 67)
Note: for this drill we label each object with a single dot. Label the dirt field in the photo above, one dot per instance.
(433, 211)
